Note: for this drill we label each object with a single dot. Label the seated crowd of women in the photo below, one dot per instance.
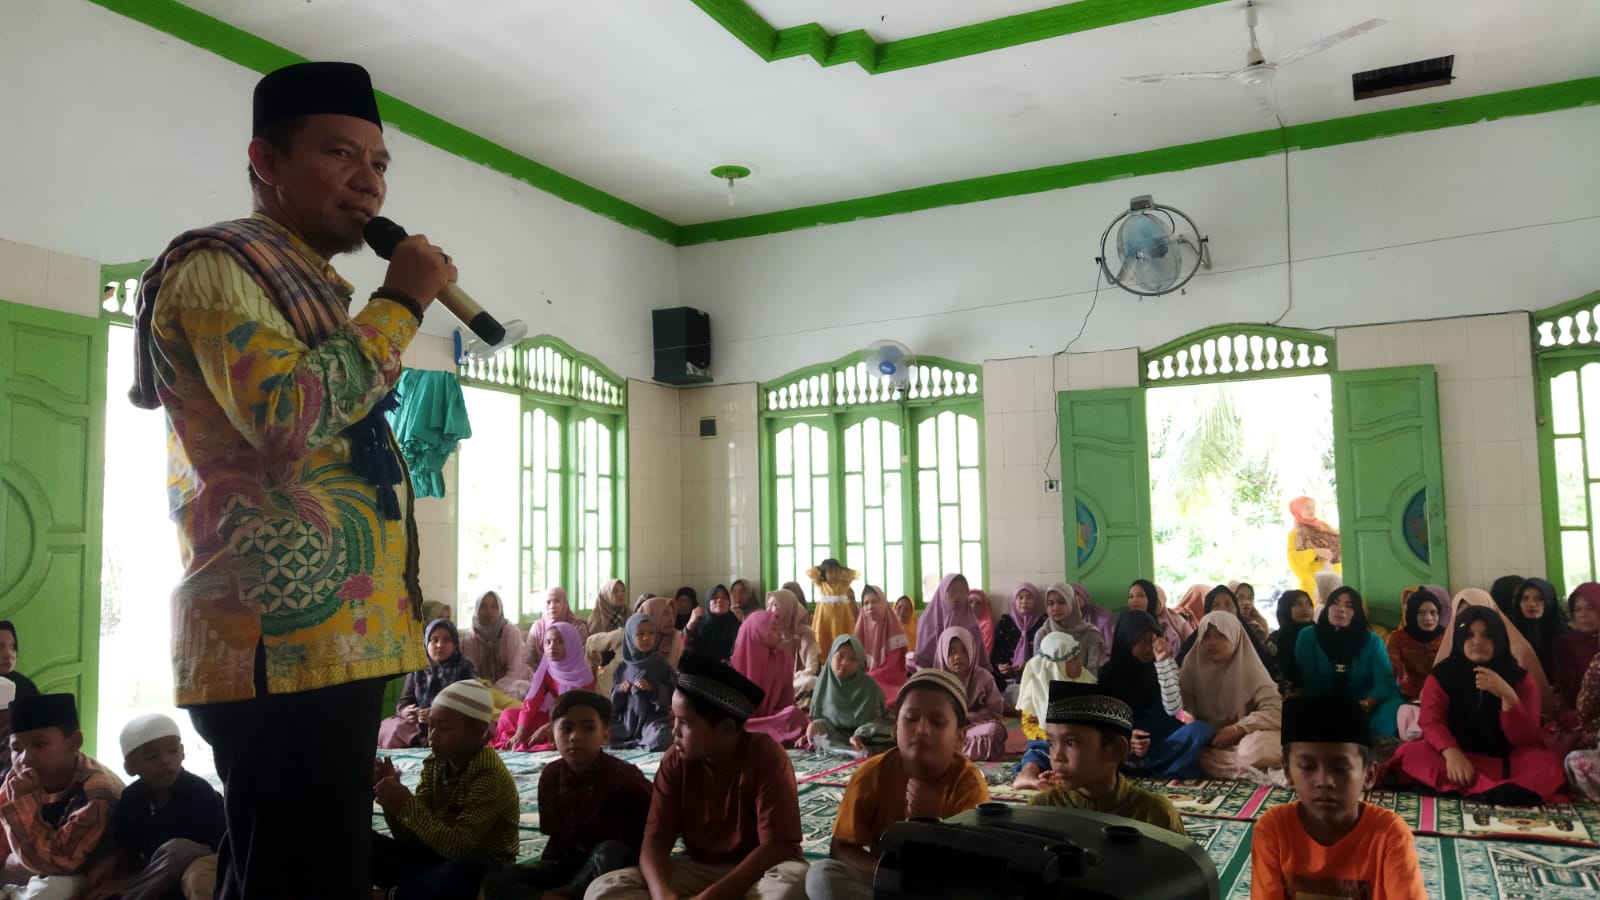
(1493, 695)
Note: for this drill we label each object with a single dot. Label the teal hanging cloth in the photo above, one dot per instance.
(431, 420)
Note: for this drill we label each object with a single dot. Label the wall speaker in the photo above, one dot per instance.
(682, 345)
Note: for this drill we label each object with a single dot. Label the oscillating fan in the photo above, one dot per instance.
(891, 360)
(1154, 255)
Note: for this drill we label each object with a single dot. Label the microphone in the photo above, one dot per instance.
(383, 235)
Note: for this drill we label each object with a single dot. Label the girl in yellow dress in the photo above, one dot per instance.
(834, 614)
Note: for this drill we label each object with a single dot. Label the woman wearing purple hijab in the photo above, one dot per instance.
(948, 608)
(1103, 620)
(1015, 632)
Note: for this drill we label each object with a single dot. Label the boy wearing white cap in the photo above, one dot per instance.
(462, 822)
(169, 818)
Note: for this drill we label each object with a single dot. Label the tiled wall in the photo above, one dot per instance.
(721, 512)
(436, 516)
(1019, 418)
(38, 277)
(655, 489)
(1487, 427)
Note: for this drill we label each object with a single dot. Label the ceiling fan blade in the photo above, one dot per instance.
(1179, 76)
(1316, 47)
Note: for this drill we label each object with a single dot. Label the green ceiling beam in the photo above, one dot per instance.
(811, 39)
(251, 52)
(1310, 136)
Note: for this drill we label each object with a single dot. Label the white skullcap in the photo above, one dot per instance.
(145, 729)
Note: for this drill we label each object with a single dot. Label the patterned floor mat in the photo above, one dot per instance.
(1463, 848)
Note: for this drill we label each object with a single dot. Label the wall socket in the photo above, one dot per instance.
(1052, 486)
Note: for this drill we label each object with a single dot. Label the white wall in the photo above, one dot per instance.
(656, 524)
(118, 137)
(721, 514)
(1469, 220)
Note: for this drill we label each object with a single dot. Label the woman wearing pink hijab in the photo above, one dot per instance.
(759, 655)
(950, 606)
(979, 601)
(1145, 596)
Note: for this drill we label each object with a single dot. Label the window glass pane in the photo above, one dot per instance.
(783, 452)
(972, 561)
(603, 448)
(853, 508)
(819, 500)
(928, 505)
(802, 466)
(819, 451)
(927, 443)
(971, 526)
(1576, 563)
(1590, 392)
(852, 448)
(892, 530)
(1564, 403)
(949, 538)
(491, 481)
(967, 439)
(784, 495)
(1571, 491)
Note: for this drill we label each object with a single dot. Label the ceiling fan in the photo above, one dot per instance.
(1257, 74)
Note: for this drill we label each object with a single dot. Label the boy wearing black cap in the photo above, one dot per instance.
(728, 793)
(57, 804)
(1329, 843)
(925, 774)
(1089, 734)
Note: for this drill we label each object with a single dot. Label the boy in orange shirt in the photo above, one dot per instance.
(1329, 843)
(923, 775)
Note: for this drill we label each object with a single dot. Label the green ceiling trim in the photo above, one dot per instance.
(811, 39)
(251, 52)
(1314, 135)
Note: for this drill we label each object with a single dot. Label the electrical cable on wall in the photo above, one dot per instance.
(1288, 221)
(1055, 441)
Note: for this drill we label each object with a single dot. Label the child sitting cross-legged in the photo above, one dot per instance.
(462, 822)
(1329, 843)
(729, 793)
(923, 775)
(591, 805)
(1059, 658)
(848, 715)
(641, 692)
(56, 805)
(168, 820)
(1089, 734)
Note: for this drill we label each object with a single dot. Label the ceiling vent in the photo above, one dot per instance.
(1407, 77)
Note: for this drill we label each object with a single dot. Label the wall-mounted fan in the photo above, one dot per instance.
(891, 360)
(1258, 71)
(1158, 249)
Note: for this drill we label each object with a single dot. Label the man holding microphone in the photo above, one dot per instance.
(299, 596)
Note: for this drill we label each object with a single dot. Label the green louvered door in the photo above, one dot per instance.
(1105, 486)
(1390, 474)
(52, 462)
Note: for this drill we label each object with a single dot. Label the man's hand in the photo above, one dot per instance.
(419, 269)
(391, 794)
(383, 767)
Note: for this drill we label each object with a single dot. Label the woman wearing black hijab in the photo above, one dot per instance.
(1295, 611)
(1538, 616)
(711, 636)
(1339, 657)
(1480, 723)
(1141, 673)
(1504, 592)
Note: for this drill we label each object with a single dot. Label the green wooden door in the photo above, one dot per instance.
(1390, 475)
(1105, 489)
(52, 462)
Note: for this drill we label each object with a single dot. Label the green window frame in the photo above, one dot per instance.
(1238, 352)
(571, 479)
(889, 482)
(1566, 346)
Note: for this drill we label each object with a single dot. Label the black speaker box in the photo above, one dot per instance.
(682, 344)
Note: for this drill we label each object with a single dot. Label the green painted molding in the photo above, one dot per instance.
(811, 39)
(1310, 136)
(1552, 313)
(251, 52)
(1298, 335)
(173, 18)
(827, 370)
(519, 356)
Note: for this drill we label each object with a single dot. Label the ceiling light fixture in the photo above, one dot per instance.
(731, 173)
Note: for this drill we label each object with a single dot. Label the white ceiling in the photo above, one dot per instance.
(640, 98)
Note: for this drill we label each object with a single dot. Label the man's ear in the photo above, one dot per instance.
(264, 159)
